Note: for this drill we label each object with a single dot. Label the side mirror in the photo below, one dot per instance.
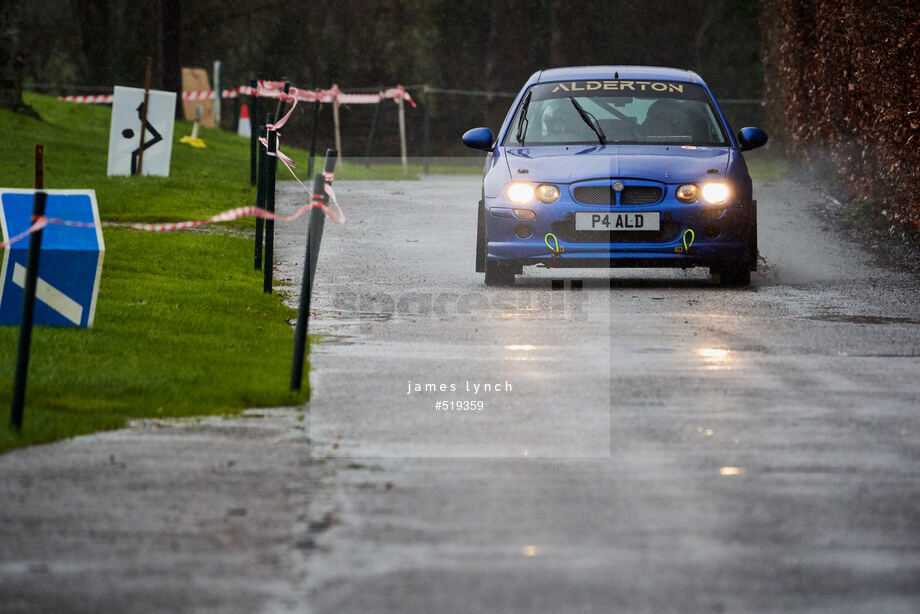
(751, 138)
(479, 138)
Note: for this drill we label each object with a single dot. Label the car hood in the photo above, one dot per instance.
(665, 163)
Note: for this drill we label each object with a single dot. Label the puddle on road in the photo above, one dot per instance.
(352, 317)
(886, 355)
(861, 319)
(338, 339)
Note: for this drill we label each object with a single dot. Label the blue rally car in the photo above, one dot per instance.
(616, 166)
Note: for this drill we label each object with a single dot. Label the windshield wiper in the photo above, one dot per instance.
(591, 121)
(523, 122)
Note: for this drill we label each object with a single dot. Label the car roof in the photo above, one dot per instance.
(611, 72)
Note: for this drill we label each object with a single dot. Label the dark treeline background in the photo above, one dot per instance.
(841, 75)
(456, 44)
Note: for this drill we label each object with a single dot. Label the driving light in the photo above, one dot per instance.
(520, 193)
(523, 231)
(688, 193)
(715, 193)
(547, 193)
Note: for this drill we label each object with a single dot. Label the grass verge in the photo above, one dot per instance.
(182, 327)
(202, 182)
(765, 166)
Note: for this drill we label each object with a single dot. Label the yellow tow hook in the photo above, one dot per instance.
(554, 247)
(687, 245)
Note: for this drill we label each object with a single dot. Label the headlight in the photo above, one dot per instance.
(715, 193)
(520, 193)
(688, 193)
(547, 193)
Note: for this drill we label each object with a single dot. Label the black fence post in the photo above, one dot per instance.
(314, 237)
(280, 108)
(269, 197)
(370, 137)
(329, 166)
(316, 110)
(426, 125)
(253, 133)
(28, 316)
(260, 198)
(271, 171)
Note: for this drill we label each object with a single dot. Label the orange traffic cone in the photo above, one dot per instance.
(244, 128)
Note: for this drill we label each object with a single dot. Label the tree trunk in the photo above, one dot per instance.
(567, 33)
(170, 49)
(12, 61)
(712, 11)
(96, 36)
(507, 62)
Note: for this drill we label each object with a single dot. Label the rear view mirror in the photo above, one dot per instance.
(479, 138)
(751, 138)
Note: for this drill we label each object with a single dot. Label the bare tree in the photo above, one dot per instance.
(170, 48)
(711, 11)
(567, 42)
(96, 38)
(12, 61)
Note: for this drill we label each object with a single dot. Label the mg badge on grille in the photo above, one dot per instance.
(618, 187)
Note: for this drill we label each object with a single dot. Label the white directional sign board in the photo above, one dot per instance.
(70, 264)
(125, 131)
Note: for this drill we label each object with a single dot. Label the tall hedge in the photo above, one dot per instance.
(842, 79)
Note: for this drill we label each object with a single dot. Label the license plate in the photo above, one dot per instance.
(589, 220)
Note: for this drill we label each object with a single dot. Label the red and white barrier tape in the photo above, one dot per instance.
(333, 212)
(41, 222)
(100, 99)
(234, 214)
(317, 200)
(266, 88)
(291, 96)
(36, 226)
(273, 89)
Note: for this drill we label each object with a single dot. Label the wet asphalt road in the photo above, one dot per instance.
(666, 445)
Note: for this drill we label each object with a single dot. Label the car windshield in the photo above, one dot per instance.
(616, 112)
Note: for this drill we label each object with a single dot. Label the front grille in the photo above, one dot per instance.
(566, 231)
(594, 195)
(604, 195)
(640, 195)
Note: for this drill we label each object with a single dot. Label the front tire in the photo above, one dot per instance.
(739, 274)
(481, 239)
(499, 273)
(753, 252)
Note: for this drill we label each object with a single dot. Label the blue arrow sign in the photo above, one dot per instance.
(71, 258)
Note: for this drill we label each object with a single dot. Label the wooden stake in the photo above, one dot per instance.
(217, 97)
(140, 154)
(402, 135)
(39, 167)
(335, 121)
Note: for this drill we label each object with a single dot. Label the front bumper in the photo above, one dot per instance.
(721, 235)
